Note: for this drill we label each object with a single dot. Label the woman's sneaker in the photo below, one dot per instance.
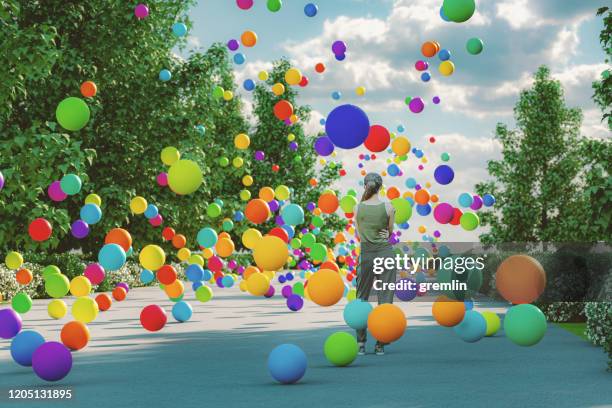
(379, 349)
(361, 351)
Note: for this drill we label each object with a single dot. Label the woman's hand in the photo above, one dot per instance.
(384, 234)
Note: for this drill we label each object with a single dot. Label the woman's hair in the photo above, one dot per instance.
(372, 183)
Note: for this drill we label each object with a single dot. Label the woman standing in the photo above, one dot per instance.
(374, 220)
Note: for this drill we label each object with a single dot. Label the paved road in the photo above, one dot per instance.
(218, 359)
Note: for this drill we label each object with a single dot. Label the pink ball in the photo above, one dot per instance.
(244, 4)
(55, 192)
(141, 11)
(162, 179)
(95, 273)
(443, 213)
(215, 264)
(421, 65)
(232, 264)
(156, 221)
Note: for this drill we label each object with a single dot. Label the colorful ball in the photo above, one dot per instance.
(347, 126)
(24, 345)
(40, 230)
(340, 349)
(472, 328)
(153, 318)
(520, 279)
(325, 287)
(52, 361)
(72, 113)
(356, 314)
(184, 177)
(493, 323)
(111, 257)
(152, 257)
(448, 312)
(525, 325)
(75, 335)
(85, 309)
(182, 311)
(287, 363)
(57, 285)
(10, 323)
(387, 323)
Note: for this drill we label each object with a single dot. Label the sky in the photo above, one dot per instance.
(384, 39)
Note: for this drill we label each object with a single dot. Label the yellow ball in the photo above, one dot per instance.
(400, 146)
(245, 195)
(243, 286)
(278, 89)
(258, 284)
(138, 205)
(493, 323)
(85, 309)
(351, 295)
(13, 260)
(270, 253)
(224, 247)
(242, 141)
(228, 95)
(93, 199)
(184, 177)
(266, 194)
(195, 259)
(446, 68)
(247, 180)
(152, 257)
(207, 253)
(282, 192)
(263, 76)
(80, 286)
(291, 137)
(170, 155)
(293, 118)
(57, 309)
(250, 238)
(237, 162)
(360, 91)
(183, 254)
(293, 76)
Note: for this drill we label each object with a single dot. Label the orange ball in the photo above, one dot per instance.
(224, 247)
(328, 203)
(266, 194)
(248, 38)
(387, 323)
(120, 237)
(104, 301)
(224, 234)
(325, 287)
(257, 211)
(392, 193)
(283, 109)
(166, 275)
(24, 276)
(421, 196)
(119, 293)
(313, 182)
(520, 279)
(179, 241)
(89, 89)
(429, 49)
(448, 312)
(434, 198)
(75, 335)
(330, 265)
(249, 270)
(175, 289)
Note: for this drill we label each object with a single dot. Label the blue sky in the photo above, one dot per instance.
(384, 39)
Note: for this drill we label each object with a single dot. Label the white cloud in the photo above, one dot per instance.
(517, 13)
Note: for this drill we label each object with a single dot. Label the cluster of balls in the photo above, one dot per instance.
(139, 205)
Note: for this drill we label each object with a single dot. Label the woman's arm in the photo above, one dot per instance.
(391, 214)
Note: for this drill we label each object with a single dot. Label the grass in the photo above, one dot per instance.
(576, 328)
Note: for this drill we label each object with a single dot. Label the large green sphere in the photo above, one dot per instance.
(474, 46)
(72, 113)
(204, 294)
(184, 177)
(21, 303)
(525, 325)
(459, 11)
(403, 210)
(469, 221)
(57, 285)
(340, 349)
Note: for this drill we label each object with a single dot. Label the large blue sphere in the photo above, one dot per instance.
(347, 126)
(23, 346)
(356, 314)
(112, 257)
(182, 311)
(287, 363)
(472, 328)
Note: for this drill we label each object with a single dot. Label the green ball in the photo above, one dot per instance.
(474, 46)
(296, 243)
(223, 162)
(177, 299)
(352, 192)
(218, 92)
(525, 325)
(340, 349)
(298, 289)
(57, 285)
(308, 240)
(213, 210)
(403, 210)
(227, 225)
(72, 113)
(493, 323)
(50, 270)
(407, 100)
(21, 303)
(185, 177)
(445, 157)
(469, 221)
(204, 293)
(71, 184)
(317, 221)
(459, 11)
(318, 252)
(348, 203)
(274, 5)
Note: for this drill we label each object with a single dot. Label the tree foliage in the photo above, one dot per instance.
(603, 87)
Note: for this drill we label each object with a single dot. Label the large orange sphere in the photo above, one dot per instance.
(75, 335)
(448, 312)
(248, 38)
(392, 193)
(257, 211)
(520, 279)
(429, 49)
(24, 276)
(330, 265)
(328, 203)
(104, 301)
(224, 247)
(325, 287)
(120, 237)
(387, 323)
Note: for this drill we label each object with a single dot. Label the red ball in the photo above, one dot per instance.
(275, 168)
(432, 139)
(166, 274)
(279, 232)
(378, 139)
(168, 233)
(40, 229)
(456, 217)
(320, 67)
(153, 318)
(342, 172)
(304, 81)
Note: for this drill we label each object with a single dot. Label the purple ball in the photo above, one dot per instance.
(338, 47)
(219, 282)
(124, 286)
(52, 361)
(273, 205)
(270, 292)
(55, 192)
(233, 45)
(259, 155)
(443, 213)
(293, 146)
(324, 146)
(477, 203)
(279, 220)
(10, 323)
(296, 252)
(406, 294)
(437, 234)
(79, 229)
(416, 105)
(436, 100)
(310, 207)
(295, 302)
(286, 291)
(240, 269)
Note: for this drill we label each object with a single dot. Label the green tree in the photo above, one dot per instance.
(536, 182)
(603, 87)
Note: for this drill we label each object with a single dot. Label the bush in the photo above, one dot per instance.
(562, 312)
(599, 326)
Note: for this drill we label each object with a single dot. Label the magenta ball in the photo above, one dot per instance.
(55, 192)
(79, 229)
(231, 264)
(421, 65)
(244, 4)
(95, 273)
(162, 179)
(259, 155)
(156, 221)
(477, 203)
(124, 286)
(416, 105)
(443, 213)
(10, 323)
(52, 361)
(141, 11)
(287, 291)
(270, 292)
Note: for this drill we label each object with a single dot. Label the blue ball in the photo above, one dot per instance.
(239, 58)
(393, 170)
(469, 304)
(146, 276)
(196, 285)
(23, 346)
(238, 216)
(311, 9)
(336, 95)
(111, 257)
(293, 214)
(465, 199)
(400, 128)
(322, 121)
(423, 210)
(227, 281)
(410, 182)
(182, 311)
(207, 275)
(425, 77)
(201, 129)
(281, 279)
(289, 276)
(91, 213)
(472, 328)
(340, 57)
(179, 29)
(444, 54)
(207, 237)
(248, 84)
(289, 230)
(442, 15)
(151, 211)
(444, 174)
(194, 272)
(488, 200)
(443, 251)
(356, 314)
(287, 363)
(165, 75)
